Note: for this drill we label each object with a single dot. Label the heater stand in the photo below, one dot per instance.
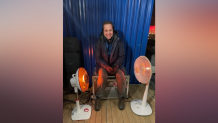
(80, 112)
(141, 107)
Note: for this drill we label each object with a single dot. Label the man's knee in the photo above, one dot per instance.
(102, 73)
(120, 74)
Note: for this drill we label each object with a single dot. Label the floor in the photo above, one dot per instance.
(110, 112)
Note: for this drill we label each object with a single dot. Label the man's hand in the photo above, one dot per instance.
(114, 70)
(109, 69)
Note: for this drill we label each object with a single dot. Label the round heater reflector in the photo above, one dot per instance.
(142, 69)
(83, 79)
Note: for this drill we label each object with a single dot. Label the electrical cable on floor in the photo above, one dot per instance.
(82, 97)
(70, 101)
(151, 95)
(87, 97)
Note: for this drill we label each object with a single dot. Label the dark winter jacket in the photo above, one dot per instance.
(117, 53)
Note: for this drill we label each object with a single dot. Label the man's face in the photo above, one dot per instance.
(108, 31)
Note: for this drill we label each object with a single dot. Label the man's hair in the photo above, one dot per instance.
(107, 22)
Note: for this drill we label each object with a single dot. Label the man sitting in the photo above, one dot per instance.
(109, 56)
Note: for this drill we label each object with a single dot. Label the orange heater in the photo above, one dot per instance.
(80, 81)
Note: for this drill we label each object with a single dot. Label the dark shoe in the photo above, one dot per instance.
(97, 104)
(121, 103)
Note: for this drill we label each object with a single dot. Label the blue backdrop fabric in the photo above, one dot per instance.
(131, 18)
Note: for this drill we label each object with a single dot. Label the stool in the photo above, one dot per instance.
(110, 91)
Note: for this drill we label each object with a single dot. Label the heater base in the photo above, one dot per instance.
(83, 114)
(140, 110)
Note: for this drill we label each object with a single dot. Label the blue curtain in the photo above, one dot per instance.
(131, 18)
